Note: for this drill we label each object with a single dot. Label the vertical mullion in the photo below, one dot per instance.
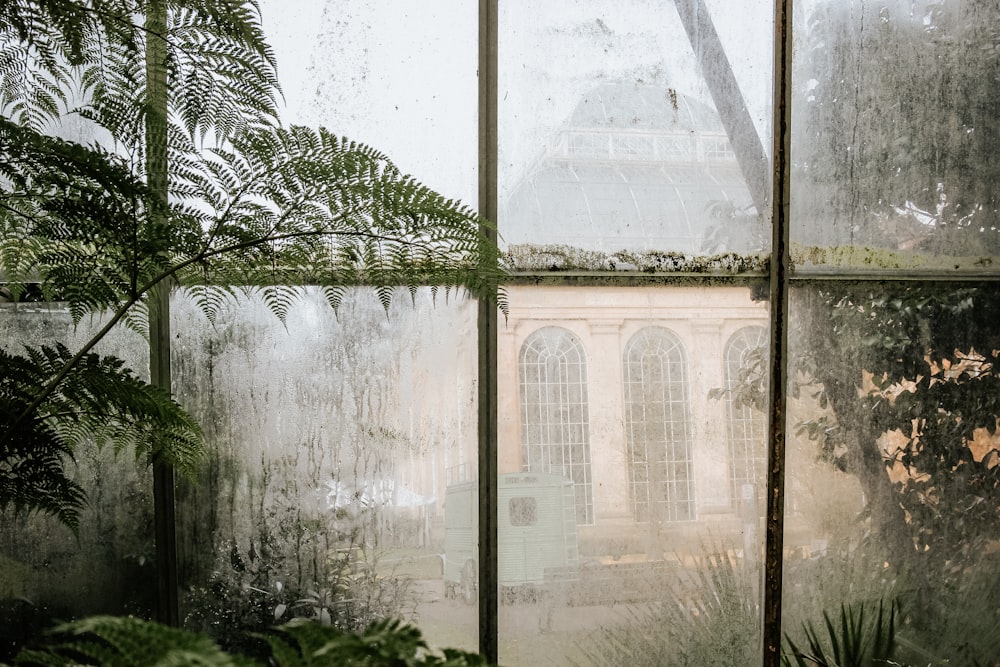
(487, 338)
(165, 537)
(779, 334)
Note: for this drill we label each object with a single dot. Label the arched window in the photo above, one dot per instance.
(747, 425)
(555, 428)
(658, 427)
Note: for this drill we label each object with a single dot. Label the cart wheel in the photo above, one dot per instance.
(470, 583)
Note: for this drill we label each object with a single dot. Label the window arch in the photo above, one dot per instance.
(747, 425)
(555, 421)
(658, 427)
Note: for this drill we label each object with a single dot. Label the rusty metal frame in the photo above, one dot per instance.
(777, 399)
(487, 339)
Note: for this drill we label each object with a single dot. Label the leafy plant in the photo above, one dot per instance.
(859, 636)
(202, 188)
(710, 617)
(99, 399)
(260, 588)
(123, 641)
(126, 642)
(385, 642)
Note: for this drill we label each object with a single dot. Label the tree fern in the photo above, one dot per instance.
(262, 207)
(97, 400)
(215, 47)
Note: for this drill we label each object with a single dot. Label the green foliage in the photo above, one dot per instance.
(263, 585)
(248, 204)
(128, 642)
(302, 643)
(281, 207)
(98, 400)
(114, 641)
(911, 408)
(710, 617)
(220, 70)
(929, 354)
(859, 636)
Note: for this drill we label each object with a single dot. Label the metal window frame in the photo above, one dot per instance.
(777, 281)
(674, 396)
(556, 412)
(745, 465)
(775, 284)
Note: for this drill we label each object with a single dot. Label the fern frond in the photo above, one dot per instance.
(305, 206)
(34, 456)
(115, 641)
(33, 81)
(99, 400)
(279, 299)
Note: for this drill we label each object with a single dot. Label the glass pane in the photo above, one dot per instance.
(617, 147)
(893, 478)
(401, 79)
(48, 574)
(894, 136)
(336, 436)
(646, 539)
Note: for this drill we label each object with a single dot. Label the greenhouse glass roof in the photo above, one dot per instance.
(634, 167)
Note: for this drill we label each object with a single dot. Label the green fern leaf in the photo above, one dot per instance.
(99, 400)
(127, 642)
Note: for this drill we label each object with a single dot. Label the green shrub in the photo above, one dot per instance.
(113, 641)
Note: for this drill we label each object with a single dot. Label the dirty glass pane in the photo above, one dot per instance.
(48, 574)
(894, 136)
(644, 540)
(401, 78)
(616, 146)
(335, 436)
(893, 481)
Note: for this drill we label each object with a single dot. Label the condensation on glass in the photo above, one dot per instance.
(894, 137)
(646, 369)
(338, 436)
(893, 485)
(612, 146)
(47, 573)
(335, 439)
(624, 136)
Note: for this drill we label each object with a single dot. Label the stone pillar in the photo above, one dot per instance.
(709, 418)
(609, 467)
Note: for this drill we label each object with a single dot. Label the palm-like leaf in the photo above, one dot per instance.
(860, 636)
(125, 642)
(266, 208)
(99, 400)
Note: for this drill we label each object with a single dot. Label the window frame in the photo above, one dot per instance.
(660, 499)
(557, 346)
(773, 284)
